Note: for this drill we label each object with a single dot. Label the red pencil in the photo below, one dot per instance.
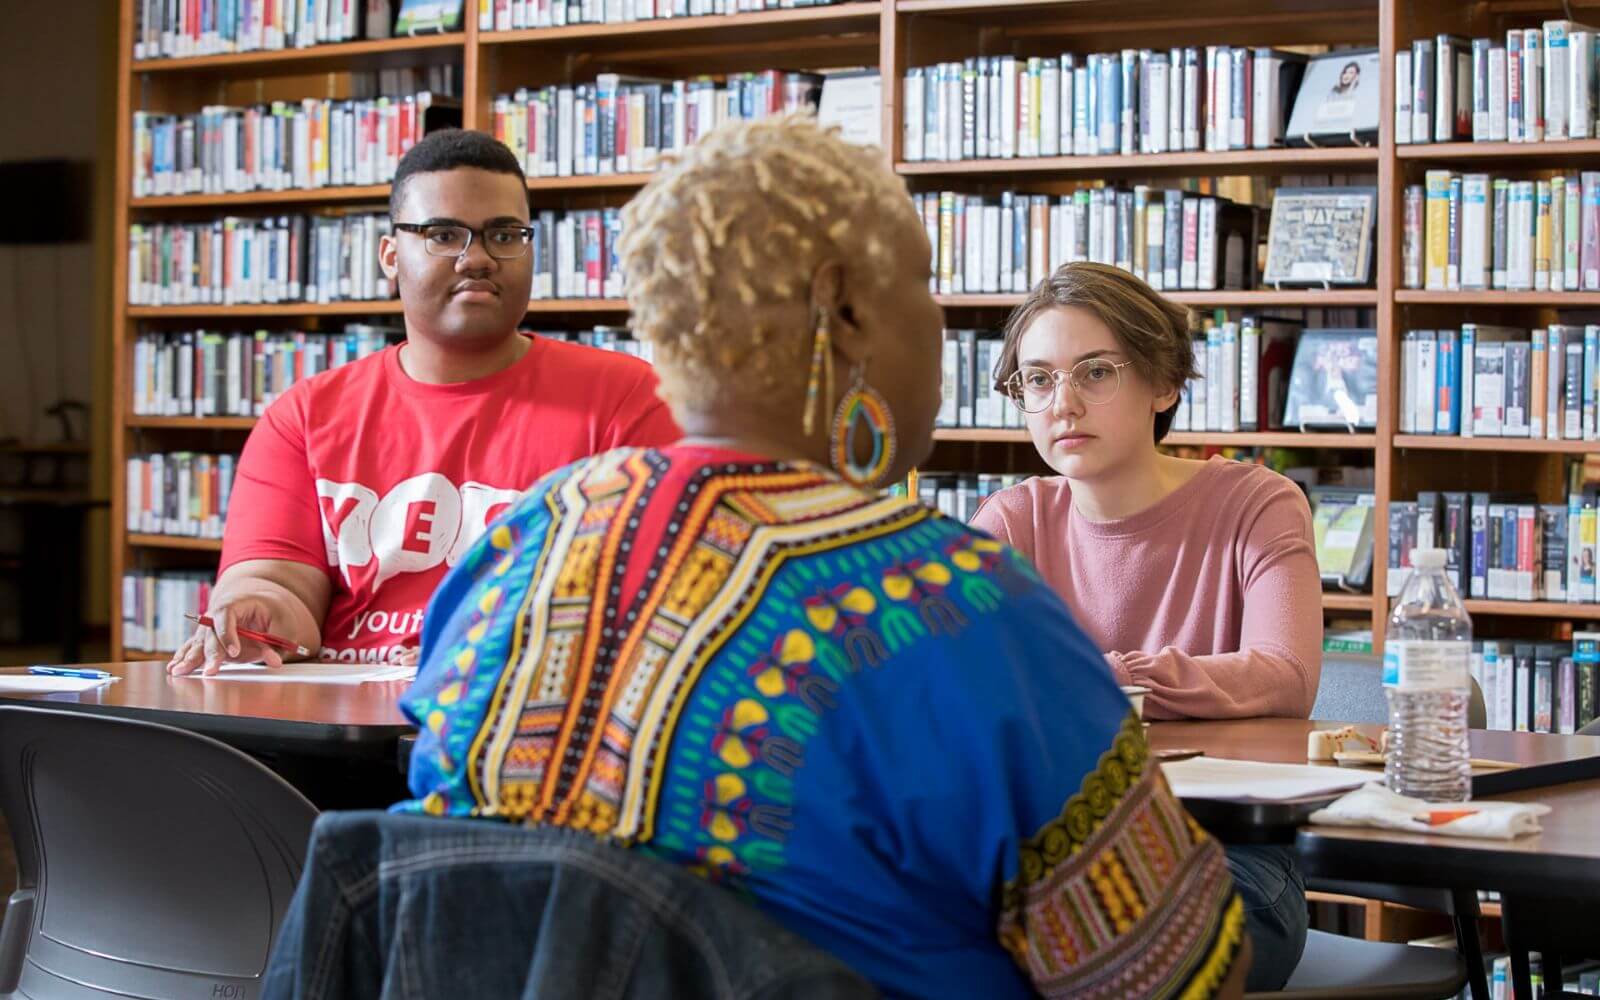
(275, 641)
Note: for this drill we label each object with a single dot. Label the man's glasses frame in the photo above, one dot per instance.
(445, 239)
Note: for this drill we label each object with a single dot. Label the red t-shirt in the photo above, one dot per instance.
(385, 482)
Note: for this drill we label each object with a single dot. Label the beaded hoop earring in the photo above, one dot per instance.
(860, 405)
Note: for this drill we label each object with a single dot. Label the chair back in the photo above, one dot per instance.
(1351, 690)
(151, 862)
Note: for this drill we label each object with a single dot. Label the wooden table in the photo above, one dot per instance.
(346, 720)
(1541, 878)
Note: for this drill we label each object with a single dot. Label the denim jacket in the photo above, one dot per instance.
(410, 907)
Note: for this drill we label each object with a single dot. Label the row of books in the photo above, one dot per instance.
(1500, 547)
(1496, 381)
(237, 260)
(1103, 104)
(958, 495)
(179, 493)
(1011, 241)
(1244, 368)
(622, 124)
(1474, 231)
(154, 603)
(1538, 687)
(180, 28)
(514, 15)
(211, 373)
(968, 397)
(284, 145)
(1538, 86)
(605, 338)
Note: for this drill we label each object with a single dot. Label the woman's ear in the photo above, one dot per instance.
(1165, 400)
(831, 296)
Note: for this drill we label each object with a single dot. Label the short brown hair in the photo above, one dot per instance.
(1154, 332)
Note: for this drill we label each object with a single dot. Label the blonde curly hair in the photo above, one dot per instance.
(719, 250)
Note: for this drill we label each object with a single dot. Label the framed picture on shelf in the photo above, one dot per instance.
(1321, 236)
(1334, 382)
(1338, 100)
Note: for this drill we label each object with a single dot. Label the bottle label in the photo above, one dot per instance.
(1427, 664)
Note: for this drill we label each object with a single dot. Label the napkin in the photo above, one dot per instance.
(1377, 806)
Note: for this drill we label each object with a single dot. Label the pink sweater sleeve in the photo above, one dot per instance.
(1279, 661)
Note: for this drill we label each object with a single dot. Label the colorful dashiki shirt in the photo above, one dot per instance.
(875, 722)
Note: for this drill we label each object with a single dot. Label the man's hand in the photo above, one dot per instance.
(264, 595)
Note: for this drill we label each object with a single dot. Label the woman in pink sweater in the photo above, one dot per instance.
(1198, 580)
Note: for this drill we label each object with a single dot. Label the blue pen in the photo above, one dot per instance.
(88, 675)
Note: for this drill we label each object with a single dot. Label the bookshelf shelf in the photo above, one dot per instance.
(589, 182)
(175, 542)
(1554, 300)
(1523, 445)
(373, 308)
(547, 306)
(293, 196)
(1238, 161)
(1347, 602)
(1534, 609)
(191, 423)
(342, 55)
(1569, 151)
(387, 307)
(1250, 299)
(1252, 439)
(756, 26)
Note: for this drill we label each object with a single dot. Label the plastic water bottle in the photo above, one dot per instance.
(1427, 658)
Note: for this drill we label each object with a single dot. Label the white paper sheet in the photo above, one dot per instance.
(313, 673)
(43, 684)
(1218, 778)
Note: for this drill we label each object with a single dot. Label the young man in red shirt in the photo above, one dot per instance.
(361, 486)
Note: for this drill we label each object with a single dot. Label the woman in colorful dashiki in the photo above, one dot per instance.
(737, 655)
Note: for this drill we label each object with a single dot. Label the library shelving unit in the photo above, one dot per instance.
(892, 35)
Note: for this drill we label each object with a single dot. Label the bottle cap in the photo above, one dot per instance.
(1429, 558)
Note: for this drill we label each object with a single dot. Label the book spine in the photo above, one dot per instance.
(1556, 79)
(1532, 77)
(1480, 545)
(1412, 238)
(1452, 273)
(1541, 236)
(1438, 230)
(1480, 90)
(1497, 93)
(1402, 97)
(1515, 128)
(1474, 273)
(1464, 381)
(1249, 375)
(1580, 84)
(1501, 212)
(1538, 390)
(1444, 89)
(1447, 377)
(1589, 226)
(1555, 380)
(1422, 81)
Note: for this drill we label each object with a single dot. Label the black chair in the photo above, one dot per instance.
(151, 862)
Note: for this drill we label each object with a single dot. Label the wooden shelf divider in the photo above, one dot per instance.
(1534, 609)
(191, 423)
(1236, 161)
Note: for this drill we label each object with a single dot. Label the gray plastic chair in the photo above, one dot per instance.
(1335, 967)
(151, 862)
(1351, 690)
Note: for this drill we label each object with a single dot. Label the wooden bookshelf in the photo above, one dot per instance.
(246, 199)
(1219, 439)
(179, 542)
(1519, 155)
(190, 423)
(1532, 446)
(1553, 300)
(894, 35)
(375, 307)
(759, 26)
(342, 56)
(1238, 161)
(1534, 609)
(1261, 298)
